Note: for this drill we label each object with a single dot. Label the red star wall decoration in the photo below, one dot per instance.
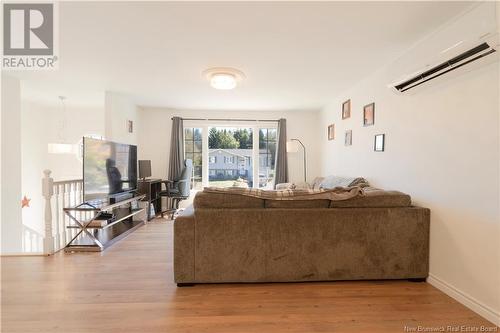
(25, 202)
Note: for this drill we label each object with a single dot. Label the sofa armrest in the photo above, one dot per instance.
(184, 236)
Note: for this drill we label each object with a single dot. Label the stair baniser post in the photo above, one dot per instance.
(48, 192)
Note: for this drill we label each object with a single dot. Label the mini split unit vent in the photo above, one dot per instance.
(465, 43)
(454, 63)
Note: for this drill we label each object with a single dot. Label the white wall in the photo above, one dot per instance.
(11, 224)
(119, 110)
(498, 97)
(1, 161)
(155, 127)
(442, 147)
(41, 125)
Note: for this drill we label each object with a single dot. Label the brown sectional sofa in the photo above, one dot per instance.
(236, 238)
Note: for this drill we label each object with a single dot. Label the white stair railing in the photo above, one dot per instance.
(59, 195)
(32, 241)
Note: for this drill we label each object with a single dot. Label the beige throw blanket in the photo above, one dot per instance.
(335, 194)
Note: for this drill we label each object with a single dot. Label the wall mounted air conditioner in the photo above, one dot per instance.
(466, 43)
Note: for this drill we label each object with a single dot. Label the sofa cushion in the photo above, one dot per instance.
(285, 186)
(316, 184)
(375, 198)
(337, 181)
(319, 203)
(295, 186)
(223, 200)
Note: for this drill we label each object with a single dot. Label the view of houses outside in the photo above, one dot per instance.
(230, 156)
(230, 160)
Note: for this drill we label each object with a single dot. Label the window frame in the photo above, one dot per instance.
(194, 152)
(205, 126)
(267, 156)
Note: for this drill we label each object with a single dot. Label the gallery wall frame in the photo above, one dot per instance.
(379, 143)
(346, 109)
(369, 114)
(331, 132)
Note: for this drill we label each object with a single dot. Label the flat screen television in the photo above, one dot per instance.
(109, 169)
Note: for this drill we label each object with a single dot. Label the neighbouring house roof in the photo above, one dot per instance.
(235, 152)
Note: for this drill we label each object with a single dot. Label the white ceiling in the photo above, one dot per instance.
(296, 55)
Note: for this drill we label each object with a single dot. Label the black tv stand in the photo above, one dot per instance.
(98, 238)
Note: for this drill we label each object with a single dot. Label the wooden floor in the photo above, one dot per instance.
(130, 288)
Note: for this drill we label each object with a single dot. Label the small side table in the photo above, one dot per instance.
(151, 188)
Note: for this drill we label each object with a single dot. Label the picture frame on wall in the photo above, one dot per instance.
(348, 138)
(130, 126)
(369, 114)
(331, 132)
(379, 144)
(346, 109)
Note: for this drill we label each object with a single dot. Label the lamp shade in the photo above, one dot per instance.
(292, 147)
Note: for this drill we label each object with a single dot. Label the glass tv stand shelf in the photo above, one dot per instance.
(97, 237)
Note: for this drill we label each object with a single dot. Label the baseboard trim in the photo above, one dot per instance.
(23, 254)
(465, 299)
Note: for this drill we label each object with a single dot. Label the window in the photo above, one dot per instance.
(231, 159)
(231, 142)
(193, 150)
(267, 156)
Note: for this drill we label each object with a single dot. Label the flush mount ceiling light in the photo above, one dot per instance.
(223, 78)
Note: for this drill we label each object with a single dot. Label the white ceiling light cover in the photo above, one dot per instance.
(224, 78)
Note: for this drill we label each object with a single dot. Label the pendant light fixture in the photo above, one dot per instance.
(61, 146)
